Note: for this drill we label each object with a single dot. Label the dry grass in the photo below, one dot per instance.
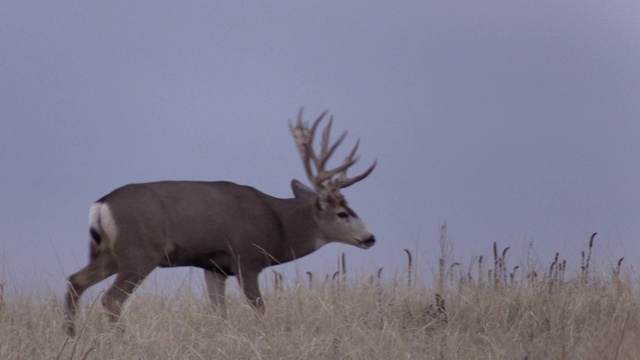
(485, 315)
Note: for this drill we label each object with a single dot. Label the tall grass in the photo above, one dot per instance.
(473, 311)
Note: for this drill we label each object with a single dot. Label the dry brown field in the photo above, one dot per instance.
(481, 310)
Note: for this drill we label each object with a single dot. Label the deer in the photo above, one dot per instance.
(224, 228)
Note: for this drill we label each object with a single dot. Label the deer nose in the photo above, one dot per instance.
(369, 241)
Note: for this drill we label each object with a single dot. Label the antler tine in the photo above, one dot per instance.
(301, 134)
(312, 132)
(325, 136)
(348, 160)
(333, 172)
(343, 181)
(350, 156)
(312, 154)
(346, 182)
(325, 155)
(326, 152)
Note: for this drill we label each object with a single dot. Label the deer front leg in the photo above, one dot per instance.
(215, 288)
(251, 289)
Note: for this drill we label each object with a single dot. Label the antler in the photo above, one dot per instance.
(322, 179)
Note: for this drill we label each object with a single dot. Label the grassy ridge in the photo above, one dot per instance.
(473, 311)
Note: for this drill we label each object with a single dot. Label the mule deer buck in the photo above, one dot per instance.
(224, 228)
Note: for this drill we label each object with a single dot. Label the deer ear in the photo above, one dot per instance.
(301, 191)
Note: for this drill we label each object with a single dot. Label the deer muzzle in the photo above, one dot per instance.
(367, 243)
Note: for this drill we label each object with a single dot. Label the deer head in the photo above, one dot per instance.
(335, 219)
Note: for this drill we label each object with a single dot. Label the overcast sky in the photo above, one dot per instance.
(516, 122)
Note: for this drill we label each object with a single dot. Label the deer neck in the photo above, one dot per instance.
(300, 230)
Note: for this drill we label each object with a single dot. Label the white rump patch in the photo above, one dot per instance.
(101, 219)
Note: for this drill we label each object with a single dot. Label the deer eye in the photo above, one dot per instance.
(343, 215)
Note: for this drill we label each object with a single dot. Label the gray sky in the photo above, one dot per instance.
(516, 122)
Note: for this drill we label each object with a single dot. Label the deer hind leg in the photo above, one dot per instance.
(99, 268)
(124, 284)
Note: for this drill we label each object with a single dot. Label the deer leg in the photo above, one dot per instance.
(98, 269)
(124, 284)
(215, 288)
(251, 289)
